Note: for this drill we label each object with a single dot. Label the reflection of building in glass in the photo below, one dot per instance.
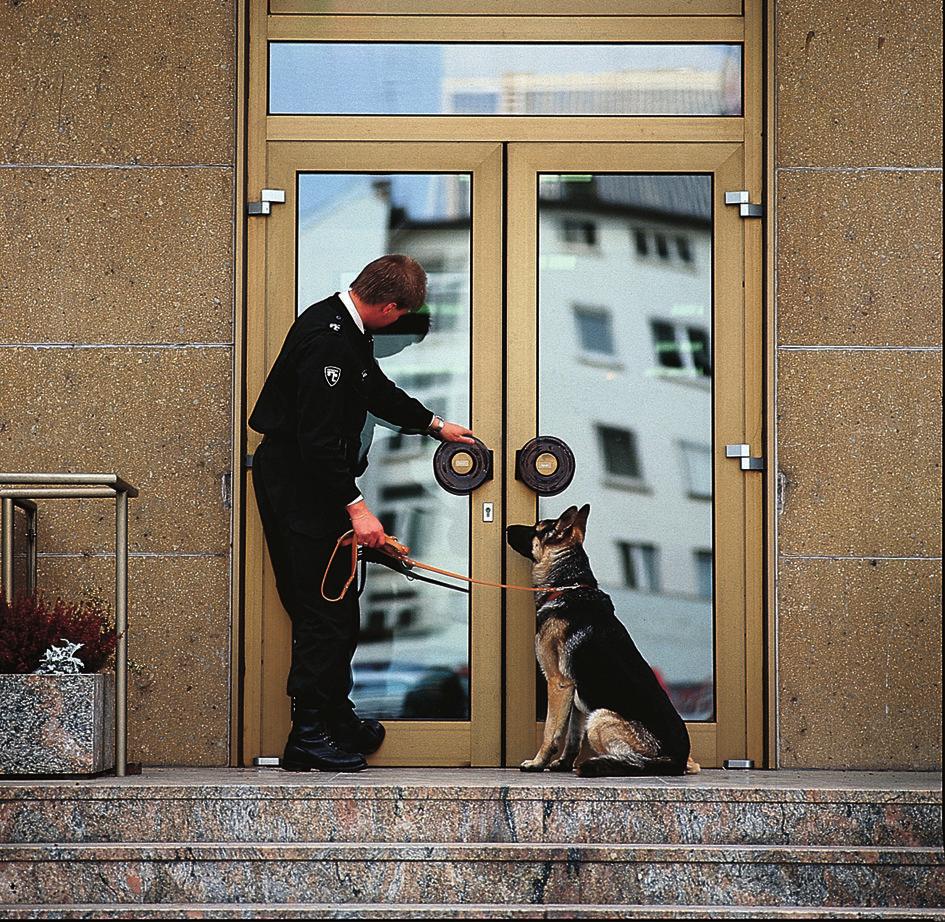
(625, 367)
(413, 657)
(669, 91)
(419, 78)
(625, 362)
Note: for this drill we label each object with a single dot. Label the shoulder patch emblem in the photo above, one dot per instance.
(332, 375)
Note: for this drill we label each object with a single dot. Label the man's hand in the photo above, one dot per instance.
(454, 432)
(367, 527)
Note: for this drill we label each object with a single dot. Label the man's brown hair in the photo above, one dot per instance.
(394, 278)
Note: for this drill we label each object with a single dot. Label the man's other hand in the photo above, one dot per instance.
(454, 432)
(367, 527)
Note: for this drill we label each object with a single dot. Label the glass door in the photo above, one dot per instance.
(626, 320)
(429, 660)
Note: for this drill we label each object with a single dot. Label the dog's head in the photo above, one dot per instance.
(549, 535)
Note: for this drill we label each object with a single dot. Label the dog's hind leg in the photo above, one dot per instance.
(622, 747)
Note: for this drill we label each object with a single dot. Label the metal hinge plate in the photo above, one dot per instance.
(745, 208)
(746, 461)
(268, 197)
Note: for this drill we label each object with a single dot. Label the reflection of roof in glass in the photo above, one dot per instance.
(681, 195)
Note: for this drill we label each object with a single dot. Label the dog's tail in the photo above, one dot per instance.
(607, 766)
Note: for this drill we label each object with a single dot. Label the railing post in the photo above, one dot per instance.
(6, 526)
(121, 630)
(32, 542)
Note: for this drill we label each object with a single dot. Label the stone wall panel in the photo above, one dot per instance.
(159, 417)
(859, 453)
(859, 84)
(117, 81)
(861, 258)
(116, 256)
(860, 676)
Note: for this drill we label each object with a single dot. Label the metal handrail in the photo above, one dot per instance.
(33, 486)
(107, 480)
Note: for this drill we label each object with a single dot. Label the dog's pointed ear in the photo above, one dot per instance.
(580, 520)
(566, 519)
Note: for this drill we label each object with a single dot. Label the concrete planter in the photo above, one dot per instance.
(57, 724)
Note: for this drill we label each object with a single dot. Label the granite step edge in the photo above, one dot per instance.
(480, 851)
(616, 793)
(452, 910)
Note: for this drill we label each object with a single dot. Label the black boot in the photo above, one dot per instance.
(355, 735)
(311, 745)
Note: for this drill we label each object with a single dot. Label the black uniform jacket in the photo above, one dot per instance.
(313, 407)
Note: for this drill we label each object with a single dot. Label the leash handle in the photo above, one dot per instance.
(399, 551)
(392, 546)
(346, 538)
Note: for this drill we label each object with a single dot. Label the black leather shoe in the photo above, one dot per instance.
(312, 746)
(356, 735)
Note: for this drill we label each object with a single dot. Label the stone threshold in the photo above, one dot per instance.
(488, 783)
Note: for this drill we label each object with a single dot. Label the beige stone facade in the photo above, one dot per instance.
(117, 291)
(857, 249)
(118, 165)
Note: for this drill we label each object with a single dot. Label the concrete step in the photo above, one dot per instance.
(453, 911)
(472, 874)
(714, 808)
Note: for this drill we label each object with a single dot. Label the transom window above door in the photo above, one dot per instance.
(488, 79)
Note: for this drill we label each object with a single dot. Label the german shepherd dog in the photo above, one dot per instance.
(600, 689)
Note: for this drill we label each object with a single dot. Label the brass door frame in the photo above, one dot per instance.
(507, 8)
(494, 20)
(425, 742)
(727, 736)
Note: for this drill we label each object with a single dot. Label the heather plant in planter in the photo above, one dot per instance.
(56, 708)
(31, 625)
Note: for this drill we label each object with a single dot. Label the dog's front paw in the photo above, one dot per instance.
(532, 765)
(561, 765)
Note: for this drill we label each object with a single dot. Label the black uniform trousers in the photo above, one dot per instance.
(324, 634)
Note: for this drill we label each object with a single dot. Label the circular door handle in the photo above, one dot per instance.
(545, 465)
(460, 468)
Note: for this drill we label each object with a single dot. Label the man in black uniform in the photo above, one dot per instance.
(311, 412)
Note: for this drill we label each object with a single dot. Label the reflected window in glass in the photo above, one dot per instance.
(697, 462)
(668, 353)
(662, 246)
(703, 561)
(699, 350)
(595, 330)
(582, 233)
(619, 447)
(640, 566)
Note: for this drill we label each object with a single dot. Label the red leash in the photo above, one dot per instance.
(393, 548)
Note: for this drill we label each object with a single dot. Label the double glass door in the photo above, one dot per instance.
(591, 292)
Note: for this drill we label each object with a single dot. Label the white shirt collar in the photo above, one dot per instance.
(348, 303)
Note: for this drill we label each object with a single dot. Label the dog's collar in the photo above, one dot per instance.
(559, 591)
